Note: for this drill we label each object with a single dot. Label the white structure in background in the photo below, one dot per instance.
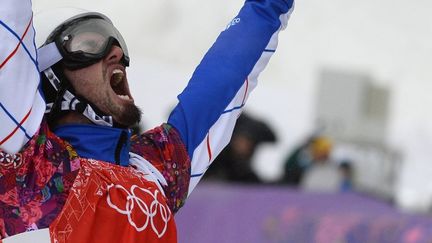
(353, 112)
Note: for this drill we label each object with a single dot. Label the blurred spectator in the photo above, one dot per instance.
(328, 176)
(309, 166)
(234, 162)
(314, 151)
(346, 171)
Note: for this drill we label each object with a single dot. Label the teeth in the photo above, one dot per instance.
(116, 71)
(124, 97)
(117, 77)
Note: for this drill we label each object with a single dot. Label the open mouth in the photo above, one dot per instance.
(119, 85)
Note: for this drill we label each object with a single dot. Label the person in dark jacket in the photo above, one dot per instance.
(235, 161)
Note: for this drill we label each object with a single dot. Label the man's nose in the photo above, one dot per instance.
(115, 55)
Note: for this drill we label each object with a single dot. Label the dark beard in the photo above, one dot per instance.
(130, 116)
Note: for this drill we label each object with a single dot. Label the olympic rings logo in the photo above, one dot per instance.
(151, 211)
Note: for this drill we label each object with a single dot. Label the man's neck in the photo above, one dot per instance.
(71, 118)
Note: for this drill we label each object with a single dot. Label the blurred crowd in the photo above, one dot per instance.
(308, 166)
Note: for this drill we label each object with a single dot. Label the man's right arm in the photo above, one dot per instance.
(21, 102)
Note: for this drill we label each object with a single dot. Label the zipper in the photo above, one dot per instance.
(121, 142)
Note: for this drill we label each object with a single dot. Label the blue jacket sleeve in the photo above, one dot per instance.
(211, 102)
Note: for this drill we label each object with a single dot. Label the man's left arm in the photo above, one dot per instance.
(214, 97)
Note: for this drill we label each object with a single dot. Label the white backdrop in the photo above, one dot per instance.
(390, 39)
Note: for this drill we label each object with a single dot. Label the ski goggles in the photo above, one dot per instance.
(85, 41)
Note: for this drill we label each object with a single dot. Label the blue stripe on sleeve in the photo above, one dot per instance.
(15, 121)
(21, 41)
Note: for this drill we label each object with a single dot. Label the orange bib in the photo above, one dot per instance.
(110, 203)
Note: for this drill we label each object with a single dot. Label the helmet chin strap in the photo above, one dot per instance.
(66, 100)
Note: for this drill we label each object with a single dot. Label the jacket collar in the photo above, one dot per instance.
(97, 142)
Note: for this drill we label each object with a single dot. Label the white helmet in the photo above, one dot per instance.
(46, 21)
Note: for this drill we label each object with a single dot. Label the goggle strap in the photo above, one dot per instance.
(48, 55)
(70, 102)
